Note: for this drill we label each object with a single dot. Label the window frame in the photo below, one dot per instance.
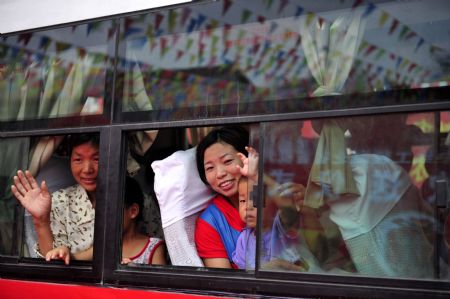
(78, 120)
(105, 271)
(37, 269)
(262, 281)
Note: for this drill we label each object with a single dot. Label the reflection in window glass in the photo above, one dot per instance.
(16, 151)
(354, 196)
(55, 73)
(69, 167)
(237, 57)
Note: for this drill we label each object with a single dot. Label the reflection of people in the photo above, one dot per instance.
(271, 256)
(386, 232)
(219, 226)
(64, 219)
(138, 248)
(279, 244)
(377, 209)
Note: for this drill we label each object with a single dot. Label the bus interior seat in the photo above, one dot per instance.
(181, 196)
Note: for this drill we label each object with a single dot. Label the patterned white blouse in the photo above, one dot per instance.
(72, 219)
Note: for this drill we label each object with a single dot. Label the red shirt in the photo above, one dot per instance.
(208, 241)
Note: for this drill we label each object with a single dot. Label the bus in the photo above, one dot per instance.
(346, 104)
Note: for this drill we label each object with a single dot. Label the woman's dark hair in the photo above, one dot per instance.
(235, 136)
(78, 139)
(133, 194)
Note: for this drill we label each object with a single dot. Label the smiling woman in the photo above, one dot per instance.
(84, 163)
(345, 102)
(64, 220)
(219, 164)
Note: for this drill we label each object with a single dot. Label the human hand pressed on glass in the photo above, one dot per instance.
(250, 164)
(34, 198)
(285, 195)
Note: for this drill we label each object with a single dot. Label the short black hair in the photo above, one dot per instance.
(236, 136)
(78, 139)
(133, 195)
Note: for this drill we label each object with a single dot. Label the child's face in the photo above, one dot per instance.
(246, 209)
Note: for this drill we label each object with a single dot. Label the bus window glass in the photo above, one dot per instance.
(55, 73)
(15, 151)
(58, 194)
(143, 239)
(356, 196)
(182, 201)
(233, 58)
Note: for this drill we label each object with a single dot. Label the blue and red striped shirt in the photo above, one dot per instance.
(218, 229)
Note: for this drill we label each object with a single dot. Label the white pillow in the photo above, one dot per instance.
(178, 187)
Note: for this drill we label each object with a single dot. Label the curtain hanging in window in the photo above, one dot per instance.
(135, 98)
(330, 50)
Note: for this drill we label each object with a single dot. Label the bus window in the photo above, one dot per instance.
(169, 171)
(58, 194)
(15, 152)
(55, 73)
(219, 59)
(142, 231)
(355, 196)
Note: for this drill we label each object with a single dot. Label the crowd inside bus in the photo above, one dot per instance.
(288, 143)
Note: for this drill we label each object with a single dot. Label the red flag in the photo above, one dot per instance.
(393, 26)
(411, 67)
(184, 15)
(179, 55)
(410, 35)
(175, 39)
(25, 38)
(370, 49)
(357, 3)
(226, 6)
(158, 19)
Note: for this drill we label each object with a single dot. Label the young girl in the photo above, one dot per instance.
(138, 248)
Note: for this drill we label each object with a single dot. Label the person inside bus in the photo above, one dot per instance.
(377, 209)
(283, 246)
(66, 217)
(220, 162)
(138, 248)
(219, 225)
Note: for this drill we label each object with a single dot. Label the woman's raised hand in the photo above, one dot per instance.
(250, 164)
(36, 200)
